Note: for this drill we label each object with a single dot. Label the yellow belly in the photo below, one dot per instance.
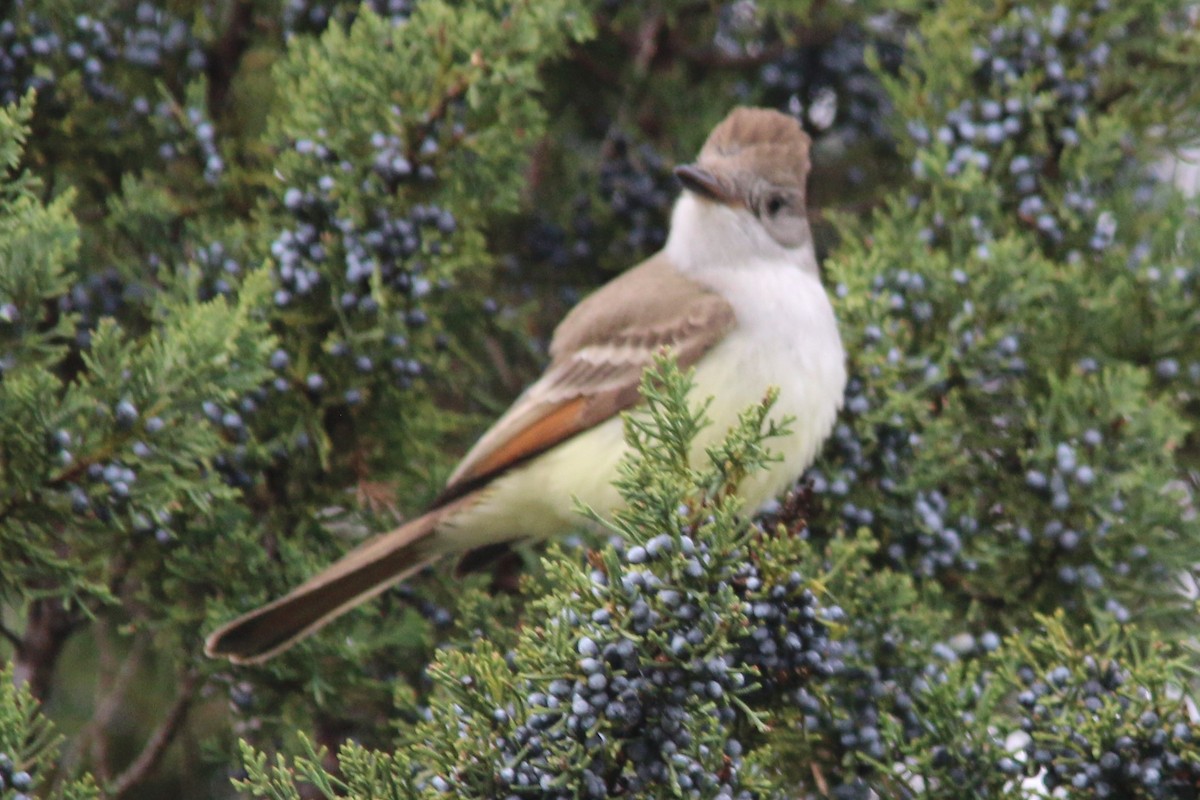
(538, 499)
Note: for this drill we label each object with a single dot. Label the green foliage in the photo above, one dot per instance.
(503, 714)
(637, 677)
(29, 748)
(97, 463)
(374, 230)
(35, 242)
(451, 95)
(110, 499)
(265, 267)
(108, 480)
(1008, 431)
(1092, 710)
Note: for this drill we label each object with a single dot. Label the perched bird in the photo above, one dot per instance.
(735, 293)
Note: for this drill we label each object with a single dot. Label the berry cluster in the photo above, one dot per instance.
(58, 445)
(117, 480)
(637, 186)
(333, 259)
(786, 640)
(237, 465)
(1138, 750)
(936, 537)
(1075, 522)
(313, 16)
(874, 689)
(119, 59)
(191, 132)
(101, 293)
(626, 220)
(30, 44)
(236, 468)
(155, 37)
(829, 84)
(654, 674)
(1065, 471)
(1038, 77)
(217, 267)
(906, 298)
(382, 246)
(919, 529)
(20, 781)
(1068, 524)
(36, 52)
(1174, 288)
(1060, 506)
(107, 491)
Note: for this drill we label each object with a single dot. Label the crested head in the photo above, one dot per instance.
(758, 144)
(745, 193)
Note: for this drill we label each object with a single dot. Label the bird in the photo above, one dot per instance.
(735, 294)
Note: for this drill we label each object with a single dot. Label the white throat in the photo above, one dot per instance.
(709, 236)
(786, 335)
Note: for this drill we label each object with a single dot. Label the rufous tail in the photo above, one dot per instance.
(361, 574)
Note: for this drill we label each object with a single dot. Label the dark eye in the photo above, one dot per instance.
(775, 204)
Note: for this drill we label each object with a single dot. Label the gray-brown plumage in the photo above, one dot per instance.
(737, 268)
(598, 354)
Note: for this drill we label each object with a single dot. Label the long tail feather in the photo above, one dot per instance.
(361, 574)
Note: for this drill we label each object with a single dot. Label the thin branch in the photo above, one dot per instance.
(645, 44)
(156, 745)
(94, 735)
(226, 53)
(111, 691)
(48, 626)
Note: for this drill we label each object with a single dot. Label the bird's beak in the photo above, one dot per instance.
(704, 183)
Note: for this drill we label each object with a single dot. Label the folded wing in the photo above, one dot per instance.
(598, 355)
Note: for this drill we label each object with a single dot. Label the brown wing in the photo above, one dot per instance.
(598, 355)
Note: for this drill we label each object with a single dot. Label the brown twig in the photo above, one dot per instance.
(226, 53)
(645, 44)
(111, 689)
(48, 627)
(158, 741)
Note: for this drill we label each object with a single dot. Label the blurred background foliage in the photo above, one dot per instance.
(267, 267)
